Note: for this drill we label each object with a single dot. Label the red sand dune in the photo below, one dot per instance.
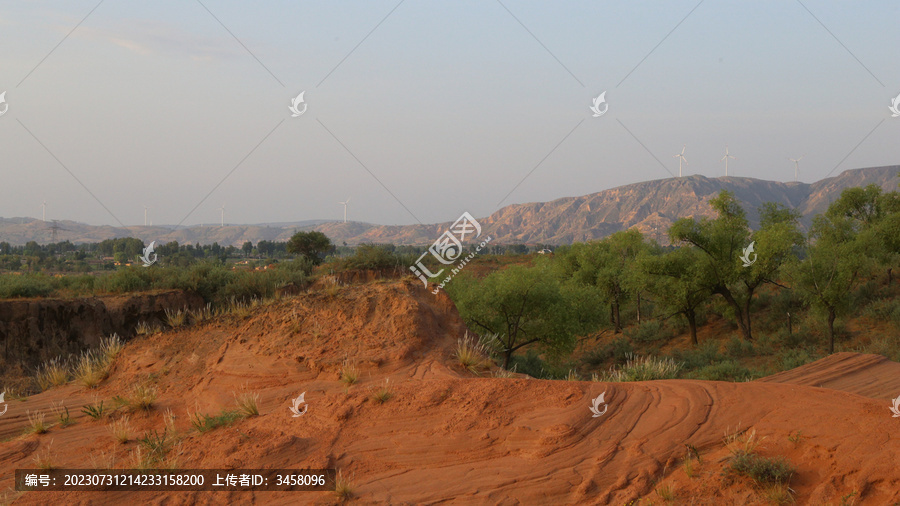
(450, 437)
(867, 375)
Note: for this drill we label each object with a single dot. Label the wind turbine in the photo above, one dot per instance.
(796, 167)
(145, 215)
(681, 160)
(726, 157)
(44, 211)
(344, 203)
(223, 214)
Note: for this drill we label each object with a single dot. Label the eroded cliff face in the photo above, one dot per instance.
(35, 330)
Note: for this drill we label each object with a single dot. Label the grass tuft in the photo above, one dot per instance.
(247, 403)
(54, 373)
(205, 423)
(384, 393)
(36, 423)
(90, 369)
(176, 318)
(141, 397)
(145, 329)
(44, 460)
(349, 373)
(343, 489)
(121, 429)
(94, 410)
(110, 347)
(471, 354)
(666, 493)
(744, 442)
(62, 414)
(642, 369)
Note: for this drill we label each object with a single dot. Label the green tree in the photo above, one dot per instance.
(875, 216)
(675, 281)
(830, 269)
(722, 242)
(523, 306)
(605, 265)
(247, 248)
(313, 245)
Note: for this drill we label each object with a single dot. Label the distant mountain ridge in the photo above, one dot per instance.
(650, 206)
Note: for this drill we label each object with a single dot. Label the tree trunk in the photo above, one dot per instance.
(831, 317)
(890, 275)
(616, 317)
(692, 324)
(506, 358)
(639, 308)
(738, 311)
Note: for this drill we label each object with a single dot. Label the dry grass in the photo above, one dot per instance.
(384, 393)
(36, 423)
(247, 403)
(145, 329)
(177, 318)
(104, 461)
(53, 373)
(90, 369)
(121, 429)
(742, 441)
(471, 354)
(203, 314)
(169, 418)
(349, 373)
(573, 375)
(141, 397)
(504, 373)
(666, 493)
(343, 489)
(110, 347)
(44, 459)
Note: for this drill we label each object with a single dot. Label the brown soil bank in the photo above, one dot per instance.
(34, 330)
(447, 436)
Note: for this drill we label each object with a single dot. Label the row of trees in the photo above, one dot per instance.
(583, 286)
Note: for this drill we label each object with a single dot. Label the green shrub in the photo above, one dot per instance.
(737, 348)
(706, 353)
(728, 370)
(762, 469)
(795, 357)
(25, 285)
(203, 422)
(642, 369)
(648, 332)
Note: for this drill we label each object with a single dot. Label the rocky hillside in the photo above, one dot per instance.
(650, 206)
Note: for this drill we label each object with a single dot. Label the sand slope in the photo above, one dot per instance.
(450, 437)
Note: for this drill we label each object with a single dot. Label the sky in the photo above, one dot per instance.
(420, 110)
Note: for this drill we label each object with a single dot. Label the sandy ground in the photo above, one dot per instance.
(448, 436)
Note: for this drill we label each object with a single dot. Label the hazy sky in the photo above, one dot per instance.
(449, 104)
